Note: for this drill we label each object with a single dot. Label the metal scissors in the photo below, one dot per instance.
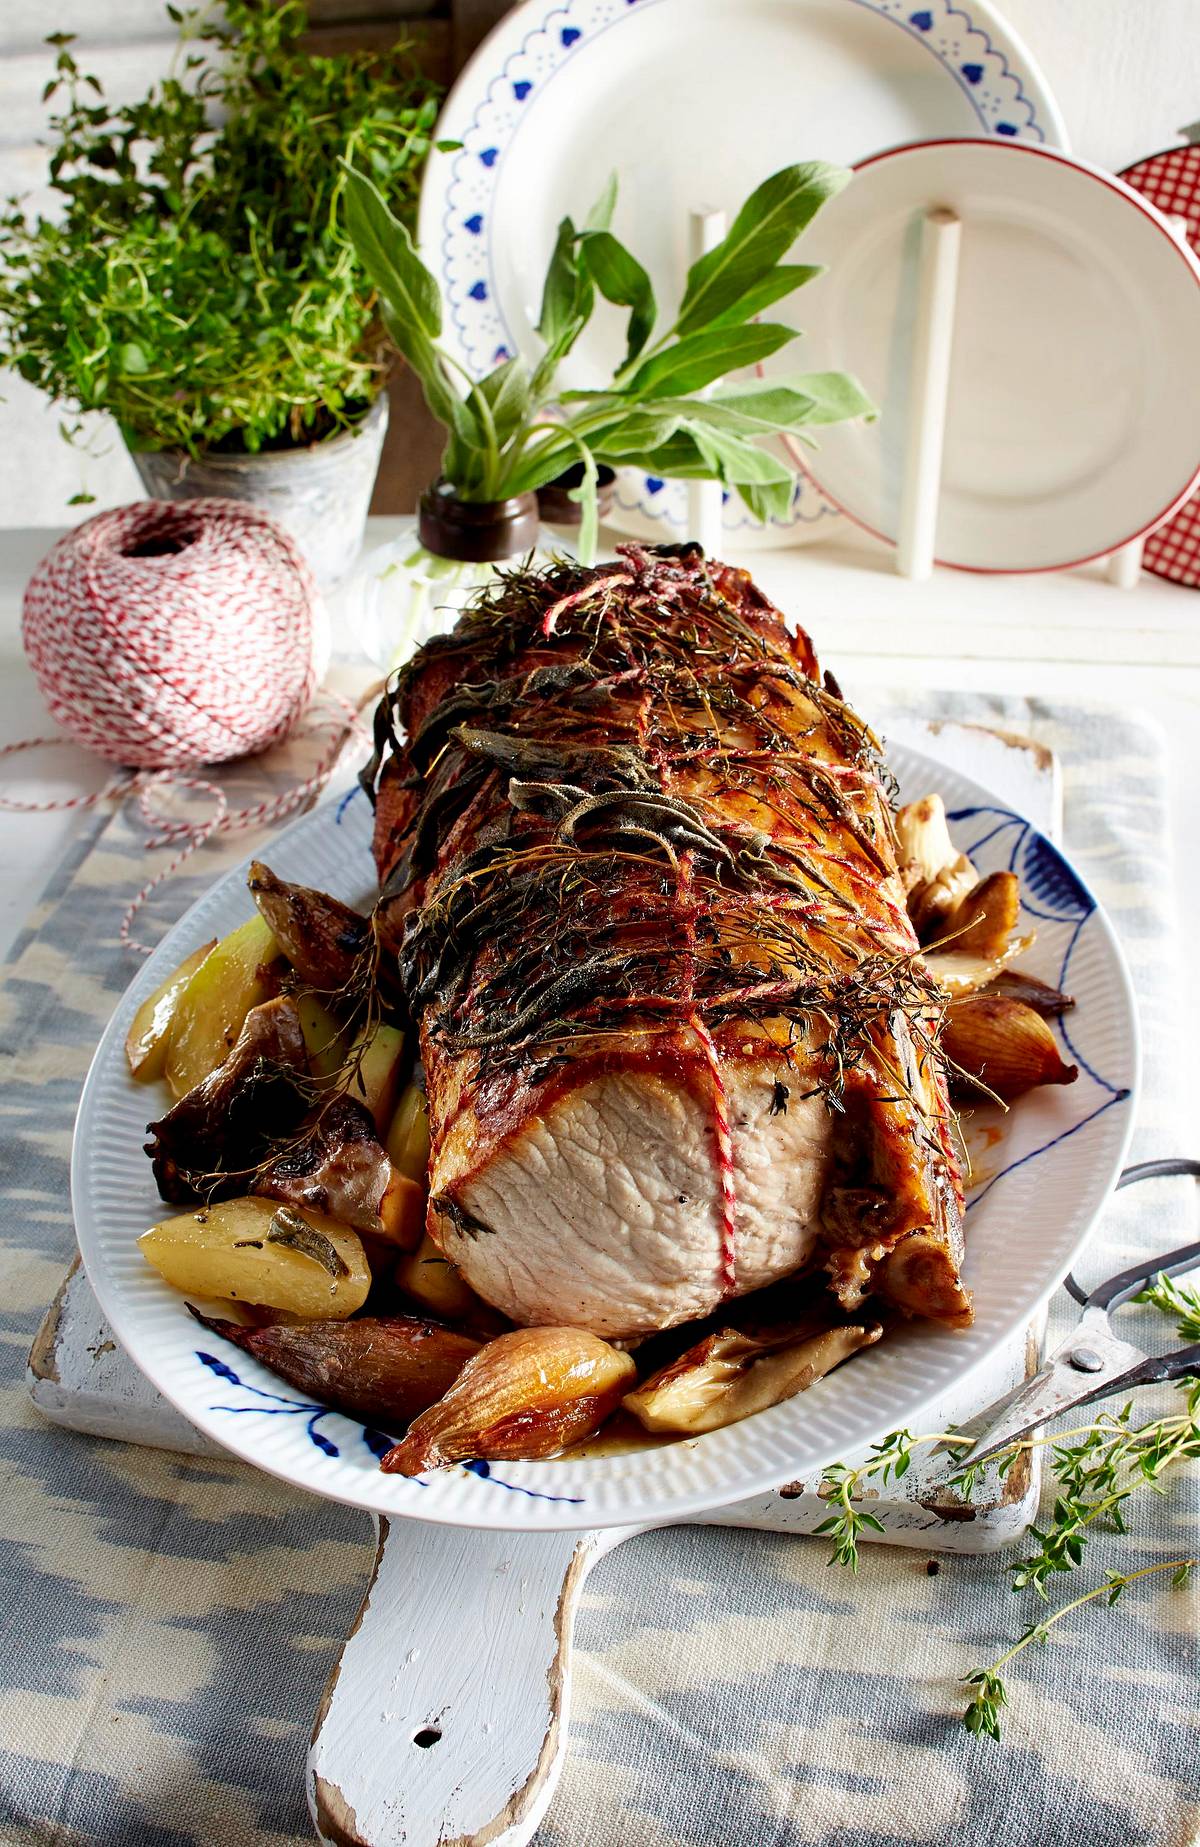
(1093, 1362)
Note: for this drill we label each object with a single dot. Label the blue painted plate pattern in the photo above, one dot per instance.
(461, 188)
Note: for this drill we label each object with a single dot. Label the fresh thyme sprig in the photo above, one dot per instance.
(1097, 1467)
(982, 1715)
(889, 1460)
(1164, 1293)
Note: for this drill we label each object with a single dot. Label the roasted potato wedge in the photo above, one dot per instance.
(212, 1009)
(379, 1053)
(382, 1369)
(253, 1250)
(529, 1394)
(402, 1212)
(408, 1136)
(323, 1037)
(150, 1032)
(432, 1280)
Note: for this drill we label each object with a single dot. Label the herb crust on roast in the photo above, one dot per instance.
(639, 882)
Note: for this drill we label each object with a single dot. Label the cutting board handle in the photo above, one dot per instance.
(446, 1716)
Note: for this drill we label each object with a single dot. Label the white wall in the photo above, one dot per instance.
(1126, 74)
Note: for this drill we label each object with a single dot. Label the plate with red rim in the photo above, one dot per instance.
(1073, 424)
(1049, 1174)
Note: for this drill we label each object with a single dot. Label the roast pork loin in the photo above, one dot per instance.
(639, 875)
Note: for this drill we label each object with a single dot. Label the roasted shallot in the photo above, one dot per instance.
(1000, 1045)
(528, 1394)
(382, 1369)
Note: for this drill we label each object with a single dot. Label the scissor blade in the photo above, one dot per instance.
(1062, 1382)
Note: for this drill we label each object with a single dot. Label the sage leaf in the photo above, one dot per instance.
(834, 396)
(689, 365)
(767, 500)
(621, 279)
(386, 252)
(783, 280)
(601, 215)
(678, 459)
(634, 434)
(735, 460)
(764, 231)
(506, 391)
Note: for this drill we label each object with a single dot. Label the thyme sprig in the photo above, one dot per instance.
(1097, 1467)
(983, 1714)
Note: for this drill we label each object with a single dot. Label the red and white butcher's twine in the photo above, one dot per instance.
(722, 1134)
(169, 636)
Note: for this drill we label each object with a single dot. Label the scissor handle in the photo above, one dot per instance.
(1123, 1287)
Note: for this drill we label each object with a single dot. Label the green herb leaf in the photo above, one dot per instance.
(764, 231)
(567, 295)
(735, 460)
(635, 434)
(778, 283)
(621, 279)
(768, 500)
(506, 391)
(601, 215)
(412, 313)
(586, 498)
(386, 252)
(691, 364)
(835, 396)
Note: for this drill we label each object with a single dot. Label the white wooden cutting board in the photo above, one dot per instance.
(444, 1723)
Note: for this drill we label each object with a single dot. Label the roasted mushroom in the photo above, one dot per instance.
(731, 1375)
(209, 1143)
(339, 1166)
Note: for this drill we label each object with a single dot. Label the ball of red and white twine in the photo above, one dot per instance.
(166, 636)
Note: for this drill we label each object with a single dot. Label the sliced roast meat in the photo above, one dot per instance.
(639, 879)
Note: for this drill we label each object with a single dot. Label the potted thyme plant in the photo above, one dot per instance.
(198, 283)
(517, 430)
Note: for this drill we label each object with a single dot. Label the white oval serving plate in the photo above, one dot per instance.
(692, 103)
(1073, 424)
(1057, 1161)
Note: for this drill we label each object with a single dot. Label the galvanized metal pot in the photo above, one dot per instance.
(319, 494)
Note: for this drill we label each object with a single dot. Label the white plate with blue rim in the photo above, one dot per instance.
(692, 103)
(1048, 1174)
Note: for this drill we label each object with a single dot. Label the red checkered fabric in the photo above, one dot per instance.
(1172, 182)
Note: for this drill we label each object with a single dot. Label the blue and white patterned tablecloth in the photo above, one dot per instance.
(167, 1624)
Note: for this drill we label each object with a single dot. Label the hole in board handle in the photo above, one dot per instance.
(427, 1736)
